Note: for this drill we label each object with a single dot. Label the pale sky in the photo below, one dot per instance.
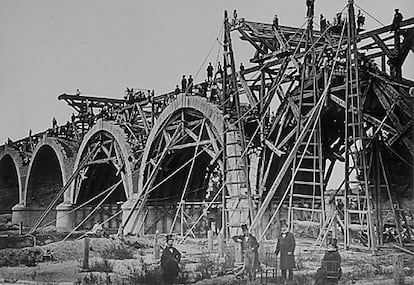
(48, 47)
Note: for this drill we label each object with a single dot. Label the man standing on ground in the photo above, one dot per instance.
(170, 259)
(332, 257)
(249, 249)
(286, 247)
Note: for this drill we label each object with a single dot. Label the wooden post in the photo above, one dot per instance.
(182, 205)
(238, 252)
(221, 244)
(398, 269)
(156, 246)
(20, 228)
(85, 264)
(210, 240)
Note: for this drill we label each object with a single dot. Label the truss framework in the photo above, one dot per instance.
(332, 102)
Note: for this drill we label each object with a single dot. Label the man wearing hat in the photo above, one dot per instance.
(286, 246)
(333, 258)
(396, 22)
(170, 259)
(250, 253)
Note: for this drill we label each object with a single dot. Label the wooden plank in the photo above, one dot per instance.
(382, 45)
(143, 118)
(205, 148)
(407, 45)
(192, 144)
(251, 41)
(403, 249)
(273, 148)
(367, 117)
(286, 165)
(385, 29)
(250, 95)
(189, 175)
(387, 106)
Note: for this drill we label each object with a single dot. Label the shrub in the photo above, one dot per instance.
(101, 266)
(117, 252)
(145, 275)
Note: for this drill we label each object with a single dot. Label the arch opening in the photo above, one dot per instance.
(102, 172)
(105, 168)
(189, 169)
(9, 185)
(45, 178)
(99, 178)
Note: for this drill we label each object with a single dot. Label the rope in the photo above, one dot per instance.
(378, 21)
(205, 59)
(270, 91)
(101, 224)
(113, 187)
(75, 209)
(318, 105)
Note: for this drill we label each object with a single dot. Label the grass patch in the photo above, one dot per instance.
(145, 275)
(101, 266)
(117, 252)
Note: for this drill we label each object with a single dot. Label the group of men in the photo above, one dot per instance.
(285, 246)
(186, 85)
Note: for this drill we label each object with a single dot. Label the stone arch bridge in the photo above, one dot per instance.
(252, 146)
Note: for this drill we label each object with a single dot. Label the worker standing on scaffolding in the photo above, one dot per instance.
(210, 70)
(250, 253)
(170, 259)
(396, 22)
(286, 246)
(310, 4)
(219, 70)
(177, 90)
(190, 84)
(322, 23)
(183, 84)
(360, 20)
(276, 22)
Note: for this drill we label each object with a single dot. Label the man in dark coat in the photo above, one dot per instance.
(250, 253)
(170, 259)
(183, 84)
(210, 72)
(333, 258)
(177, 90)
(190, 84)
(286, 246)
(396, 22)
(310, 4)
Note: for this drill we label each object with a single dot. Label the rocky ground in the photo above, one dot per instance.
(131, 261)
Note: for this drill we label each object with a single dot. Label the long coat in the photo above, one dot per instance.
(250, 253)
(332, 256)
(169, 262)
(320, 277)
(286, 244)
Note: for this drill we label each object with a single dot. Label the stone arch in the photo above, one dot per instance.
(120, 138)
(10, 182)
(208, 110)
(48, 171)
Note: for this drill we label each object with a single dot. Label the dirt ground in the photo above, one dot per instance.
(131, 261)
